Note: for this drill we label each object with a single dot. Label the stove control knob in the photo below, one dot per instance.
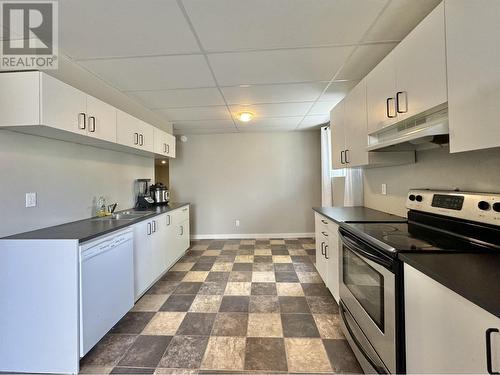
(483, 205)
(411, 197)
(419, 198)
(496, 207)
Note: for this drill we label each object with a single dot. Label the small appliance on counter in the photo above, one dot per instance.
(159, 193)
(144, 200)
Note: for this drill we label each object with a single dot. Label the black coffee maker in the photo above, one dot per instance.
(144, 200)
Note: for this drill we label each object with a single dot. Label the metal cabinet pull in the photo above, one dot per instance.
(82, 119)
(388, 110)
(322, 248)
(324, 221)
(489, 365)
(346, 157)
(149, 229)
(324, 234)
(92, 124)
(326, 252)
(136, 138)
(164, 148)
(398, 102)
(182, 230)
(168, 222)
(154, 226)
(168, 149)
(342, 157)
(141, 140)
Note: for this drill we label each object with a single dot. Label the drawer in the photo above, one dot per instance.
(322, 223)
(180, 215)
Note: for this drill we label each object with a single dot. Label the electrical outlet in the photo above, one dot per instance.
(384, 189)
(30, 199)
(237, 223)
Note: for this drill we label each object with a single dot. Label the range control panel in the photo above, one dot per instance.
(480, 207)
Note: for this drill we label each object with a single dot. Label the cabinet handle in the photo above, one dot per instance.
(324, 221)
(141, 140)
(182, 230)
(164, 148)
(92, 124)
(342, 157)
(326, 253)
(322, 248)
(154, 226)
(489, 365)
(168, 222)
(346, 157)
(324, 234)
(398, 109)
(149, 229)
(387, 107)
(82, 120)
(136, 138)
(168, 149)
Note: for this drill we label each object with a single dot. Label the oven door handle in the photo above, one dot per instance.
(379, 369)
(357, 248)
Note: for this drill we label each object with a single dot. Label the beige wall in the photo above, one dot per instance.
(67, 178)
(268, 181)
(435, 169)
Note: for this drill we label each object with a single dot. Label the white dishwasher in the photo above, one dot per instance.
(106, 285)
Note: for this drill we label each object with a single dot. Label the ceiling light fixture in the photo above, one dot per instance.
(245, 116)
(164, 162)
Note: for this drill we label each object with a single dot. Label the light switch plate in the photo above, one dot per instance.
(237, 223)
(384, 189)
(30, 199)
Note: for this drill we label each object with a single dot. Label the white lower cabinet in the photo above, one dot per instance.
(327, 253)
(158, 244)
(446, 333)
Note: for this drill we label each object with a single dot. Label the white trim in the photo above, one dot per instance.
(250, 235)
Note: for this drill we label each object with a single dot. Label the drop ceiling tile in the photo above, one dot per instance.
(204, 127)
(196, 113)
(337, 91)
(273, 110)
(399, 18)
(201, 130)
(314, 121)
(157, 99)
(277, 122)
(321, 108)
(224, 25)
(281, 66)
(111, 28)
(363, 60)
(153, 73)
(292, 92)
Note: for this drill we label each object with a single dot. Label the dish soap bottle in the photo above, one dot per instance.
(101, 207)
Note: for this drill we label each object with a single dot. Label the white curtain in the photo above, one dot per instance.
(353, 195)
(326, 167)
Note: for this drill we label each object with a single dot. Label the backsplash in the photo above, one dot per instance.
(435, 169)
(67, 178)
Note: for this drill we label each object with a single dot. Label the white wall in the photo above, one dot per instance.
(67, 177)
(268, 181)
(435, 169)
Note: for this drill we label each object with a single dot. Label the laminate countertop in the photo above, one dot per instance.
(88, 229)
(357, 214)
(474, 276)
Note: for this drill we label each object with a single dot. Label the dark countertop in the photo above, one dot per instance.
(475, 276)
(87, 229)
(357, 214)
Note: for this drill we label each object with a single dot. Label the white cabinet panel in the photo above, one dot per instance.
(171, 148)
(321, 243)
(159, 245)
(63, 106)
(356, 136)
(333, 255)
(101, 120)
(19, 99)
(143, 257)
(338, 135)
(127, 130)
(473, 58)
(421, 66)
(445, 333)
(381, 94)
(164, 143)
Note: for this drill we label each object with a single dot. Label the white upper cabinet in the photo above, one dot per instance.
(420, 61)
(133, 132)
(164, 143)
(101, 119)
(356, 136)
(381, 94)
(473, 60)
(338, 135)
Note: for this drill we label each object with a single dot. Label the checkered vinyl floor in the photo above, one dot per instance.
(231, 306)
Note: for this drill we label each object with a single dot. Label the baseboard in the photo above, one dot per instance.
(249, 236)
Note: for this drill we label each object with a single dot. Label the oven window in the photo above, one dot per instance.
(366, 284)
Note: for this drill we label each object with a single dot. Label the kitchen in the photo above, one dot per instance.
(250, 186)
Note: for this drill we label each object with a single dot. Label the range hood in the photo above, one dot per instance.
(413, 133)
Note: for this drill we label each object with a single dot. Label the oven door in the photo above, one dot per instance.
(367, 290)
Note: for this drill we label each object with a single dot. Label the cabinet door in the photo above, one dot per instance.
(321, 243)
(338, 135)
(147, 139)
(20, 98)
(445, 333)
(333, 264)
(159, 229)
(143, 257)
(170, 140)
(381, 94)
(63, 106)
(356, 132)
(101, 121)
(421, 66)
(160, 142)
(127, 130)
(170, 240)
(473, 58)
(184, 236)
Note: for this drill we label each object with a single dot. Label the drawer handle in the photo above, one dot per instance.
(324, 234)
(82, 119)
(326, 253)
(322, 248)
(324, 221)
(489, 365)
